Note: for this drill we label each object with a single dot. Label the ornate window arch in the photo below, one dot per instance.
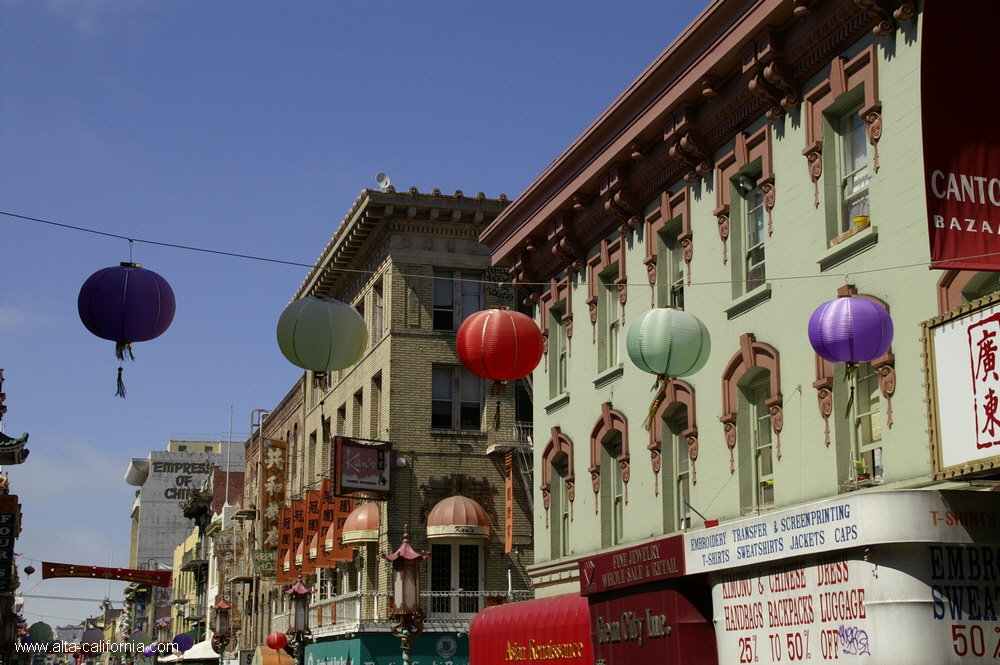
(610, 421)
(558, 445)
(746, 149)
(845, 75)
(559, 292)
(751, 354)
(954, 285)
(671, 207)
(610, 252)
(677, 391)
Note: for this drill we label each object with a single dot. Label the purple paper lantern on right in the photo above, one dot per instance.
(850, 330)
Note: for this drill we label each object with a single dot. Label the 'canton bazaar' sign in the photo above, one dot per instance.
(962, 354)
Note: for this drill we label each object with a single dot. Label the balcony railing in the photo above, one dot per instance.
(193, 559)
(507, 438)
(353, 612)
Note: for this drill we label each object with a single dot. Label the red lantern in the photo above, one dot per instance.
(499, 344)
(126, 304)
(277, 641)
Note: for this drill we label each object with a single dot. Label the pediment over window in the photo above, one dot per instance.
(558, 447)
(610, 421)
(751, 354)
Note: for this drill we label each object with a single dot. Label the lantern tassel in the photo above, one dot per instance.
(496, 417)
(660, 386)
(850, 374)
(121, 385)
(121, 348)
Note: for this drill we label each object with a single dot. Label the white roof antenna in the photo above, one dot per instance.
(382, 180)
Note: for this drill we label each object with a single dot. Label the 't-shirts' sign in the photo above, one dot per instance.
(963, 350)
(657, 560)
(961, 156)
(861, 520)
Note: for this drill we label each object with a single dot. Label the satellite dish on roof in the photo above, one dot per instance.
(382, 180)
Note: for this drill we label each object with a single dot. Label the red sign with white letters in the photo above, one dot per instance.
(960, 138)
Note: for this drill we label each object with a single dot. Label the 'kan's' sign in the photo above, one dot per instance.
(961, 144)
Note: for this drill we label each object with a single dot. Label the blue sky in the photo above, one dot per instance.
(250, 128)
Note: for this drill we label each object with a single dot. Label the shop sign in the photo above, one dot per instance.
(359, 467)
(384, 649)
(657, 560)
(962, 352)
(961, 157)
(864, 519)
(654, 626)
(914, 603)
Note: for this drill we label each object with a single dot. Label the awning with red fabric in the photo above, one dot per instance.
(556, 628)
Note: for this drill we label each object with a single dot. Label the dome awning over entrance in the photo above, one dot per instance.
(458, 516)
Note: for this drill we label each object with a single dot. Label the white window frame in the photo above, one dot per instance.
(763, 442)
(670, 269)
(558, 353)
(609, 337)
(466, 290)
(754, 234)
(459, 377)
(459, 605)
(853, 169)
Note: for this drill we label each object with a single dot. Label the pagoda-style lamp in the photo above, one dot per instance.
(298, 619)
(220, 623)
(407, 617)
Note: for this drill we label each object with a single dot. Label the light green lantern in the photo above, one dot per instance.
(41, 632)
(322, 335)
(667, 342)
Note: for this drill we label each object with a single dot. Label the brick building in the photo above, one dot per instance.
(412, 266)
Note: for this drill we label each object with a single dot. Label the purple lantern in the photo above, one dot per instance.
(183, 642)
(149, 651)
(126, 304)
(850, 330)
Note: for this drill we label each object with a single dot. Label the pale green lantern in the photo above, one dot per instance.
(668, 342)
(322, 335)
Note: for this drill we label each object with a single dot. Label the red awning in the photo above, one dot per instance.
(556, 628)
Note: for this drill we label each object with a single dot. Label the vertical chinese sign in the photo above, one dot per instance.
(508, 481)
(963, 393)
(961, 152)
(271, 498)
(985, 379)
(10, 518)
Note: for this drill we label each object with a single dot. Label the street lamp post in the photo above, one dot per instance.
(220, 625)
(298, 620)
(407, 616)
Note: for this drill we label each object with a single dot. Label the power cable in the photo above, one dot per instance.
(827, 274)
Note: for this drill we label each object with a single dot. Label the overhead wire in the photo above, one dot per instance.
(824, 275)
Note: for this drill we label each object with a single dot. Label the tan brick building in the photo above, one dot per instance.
(412, 265)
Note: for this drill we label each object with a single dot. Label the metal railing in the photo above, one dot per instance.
(350, 611)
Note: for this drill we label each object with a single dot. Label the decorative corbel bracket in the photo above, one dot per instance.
(521, 275)
(619, 201)
(888, 12)
(682, 135)
(722, 217)
(764, 62)
(824, 394)
(565, 246)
